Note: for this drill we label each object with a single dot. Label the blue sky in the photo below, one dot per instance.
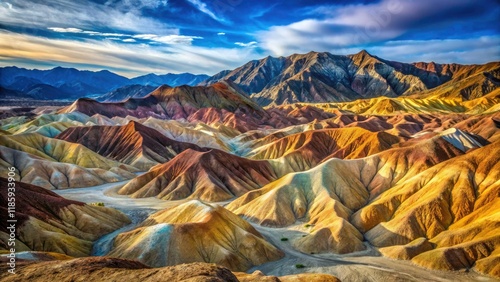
(134, 37)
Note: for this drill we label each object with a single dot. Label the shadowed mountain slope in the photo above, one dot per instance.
(126, 92)
(167, 102)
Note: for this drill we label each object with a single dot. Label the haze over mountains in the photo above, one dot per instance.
(340, 165)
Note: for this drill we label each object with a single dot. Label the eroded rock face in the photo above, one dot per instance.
(209, 176)
(195, 232)
(55, 164)
(133, 144)
(57, 175)
(50, 223)
(305, 150)
(327, 196)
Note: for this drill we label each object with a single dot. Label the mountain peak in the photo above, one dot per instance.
(133, 125)
(363, 52)
(363, 55)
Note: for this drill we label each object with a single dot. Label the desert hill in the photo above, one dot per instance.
(134, 144)
(305, 150)
(50, 223)
(195, 232)
(57, 175)
(210, 176)
(58, 150)
(326, 196)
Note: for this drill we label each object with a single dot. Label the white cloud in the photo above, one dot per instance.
(123, 58)
(221, 33)
(248, 44)
(137, 4)
(111, 34)
(165, 39)
(145, 36)
(358, 24)
(82, 14)
(168, 39)
(464, 51)
(70, 29)
(89, 32)
(202, 7)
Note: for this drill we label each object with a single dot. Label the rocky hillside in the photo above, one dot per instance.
(50, 223)
(324, 77)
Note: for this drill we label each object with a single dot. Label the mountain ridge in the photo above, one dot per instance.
(325, 77)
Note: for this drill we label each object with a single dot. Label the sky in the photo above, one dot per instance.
(135, 37)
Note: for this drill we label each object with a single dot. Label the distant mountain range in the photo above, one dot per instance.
(70, 83)
(315, 77)
(126, 92)
(170, 79)
(324, 77)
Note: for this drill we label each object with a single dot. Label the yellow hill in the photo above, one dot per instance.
(195, 232)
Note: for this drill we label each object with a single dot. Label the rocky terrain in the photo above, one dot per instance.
(50, 223)
(195, 231)
(381, 171)
(324, 77)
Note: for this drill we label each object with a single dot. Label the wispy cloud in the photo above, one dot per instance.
(358, 24)
(69, 29)
(89, 32)
(83, 14)
(203, 7)
(221, 33)
(168, 39)
(248, 44)
(137, 4)
(479, 50)
(124, 58)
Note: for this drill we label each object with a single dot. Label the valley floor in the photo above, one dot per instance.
(367, 265)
